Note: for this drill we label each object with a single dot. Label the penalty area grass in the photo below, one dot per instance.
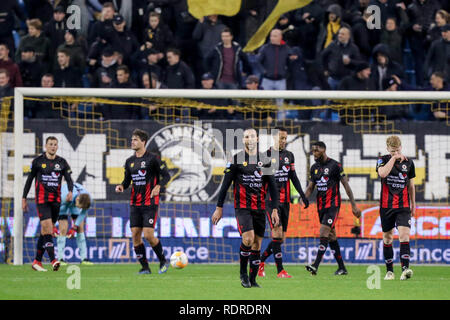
(219, 282)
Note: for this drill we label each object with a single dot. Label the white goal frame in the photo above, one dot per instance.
(20, 92)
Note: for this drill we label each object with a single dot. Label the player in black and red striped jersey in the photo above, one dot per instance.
(252, 175)
(48, 169)
(283, 177)
(397, 204)
(326, 174)
(148, 175)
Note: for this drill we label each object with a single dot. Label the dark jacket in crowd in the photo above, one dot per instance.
(77, 56)
(6, 91)
(392, 68)
(309, 31)
(31, 72)
(394, 40)
(423, 13)
(323, 32)
(207, 35)
(69, 77)
(55, 31)
(274, 59)
(15, 79)
(179, 76)
(298, 79)
(331, 58)
(353, 82)
(161, 38)
(438, 58)
(124, 42)
(109, 71)
(123, 111)
(42, 47)
(214, 61)
(101, 30)
(8, 10)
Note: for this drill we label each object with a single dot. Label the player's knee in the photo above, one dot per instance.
(388, 238)
(248, 240)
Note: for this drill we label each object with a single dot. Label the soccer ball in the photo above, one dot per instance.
(178, 260)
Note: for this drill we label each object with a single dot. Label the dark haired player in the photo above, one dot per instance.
(397, 204)
(251, 175)
(48, 169)
(144, 169)
(283, 176)
(326, 174)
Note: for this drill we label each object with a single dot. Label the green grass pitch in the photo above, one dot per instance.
(219, 282)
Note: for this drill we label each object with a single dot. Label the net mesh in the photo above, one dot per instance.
(96, 149)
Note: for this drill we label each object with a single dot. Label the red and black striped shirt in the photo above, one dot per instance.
(145, 173)
(394, 188)
(326, 176)
(48, 174)
(252, 180)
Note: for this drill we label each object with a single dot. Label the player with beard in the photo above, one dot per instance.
(326, 174)
(145, 170)
(397, 204)
(252, 173)
(48, 169)
(283, 176)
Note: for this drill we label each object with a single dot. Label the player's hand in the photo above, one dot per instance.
(55, 232)
(400, 157)
(275, 218)
(72, 232)
(356, 211)
(24, 205)
(217, 215)
(69, 197)
(119, 188)
(413, 210)
(155, 191)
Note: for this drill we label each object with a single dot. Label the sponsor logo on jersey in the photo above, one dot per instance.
(55, 175)
(142, 173)
(402, 175)
(257, 174)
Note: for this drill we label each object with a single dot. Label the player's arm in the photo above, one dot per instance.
(348, 190)
(298, 187)
(126, 180)
(230, 175)
(68, 178)
(274, 194)
(384, 169)
(412, 189)
(26, 188)
(161, 170)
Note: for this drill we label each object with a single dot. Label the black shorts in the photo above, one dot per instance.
(283, 214)
(48, 210)
(328, 217)
(143, 217)
(248, 220)
(66, 217)
(391, 218)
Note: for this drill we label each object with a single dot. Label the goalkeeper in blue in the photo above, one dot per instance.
(77, 209)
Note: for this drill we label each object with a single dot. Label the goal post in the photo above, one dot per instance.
(21, 93)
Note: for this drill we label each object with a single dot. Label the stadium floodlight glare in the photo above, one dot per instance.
(20, 93)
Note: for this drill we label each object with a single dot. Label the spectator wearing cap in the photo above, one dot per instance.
(36, 39)
(30, 70)
(101, 30)
(225, 60)
(123, 40)
(421, 15)
(106, 72)
(211, 112)
(6, 63)
(77, 54)
(252, 83)
(54, 29)
(149, 63)
(178, 74)
(438, 57)
(394, 112)
(383, 67)
(360, 80)
(339, 57)
(157, 35)
(66, 76)
(330, 27)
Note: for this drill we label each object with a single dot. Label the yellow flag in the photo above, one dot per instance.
(260, 35)
(202, 8)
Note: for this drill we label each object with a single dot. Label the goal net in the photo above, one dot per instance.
(195, 131)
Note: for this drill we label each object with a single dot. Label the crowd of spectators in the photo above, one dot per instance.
(326, 45)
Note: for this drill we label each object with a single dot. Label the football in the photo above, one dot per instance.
(178, 260)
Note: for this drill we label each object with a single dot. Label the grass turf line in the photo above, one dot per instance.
(219, 282)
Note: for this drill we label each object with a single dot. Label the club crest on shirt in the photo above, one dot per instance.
(57, 167)
(326, 171)
(143, 164)
(260, 164)
(286, 160)
(404, 167)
